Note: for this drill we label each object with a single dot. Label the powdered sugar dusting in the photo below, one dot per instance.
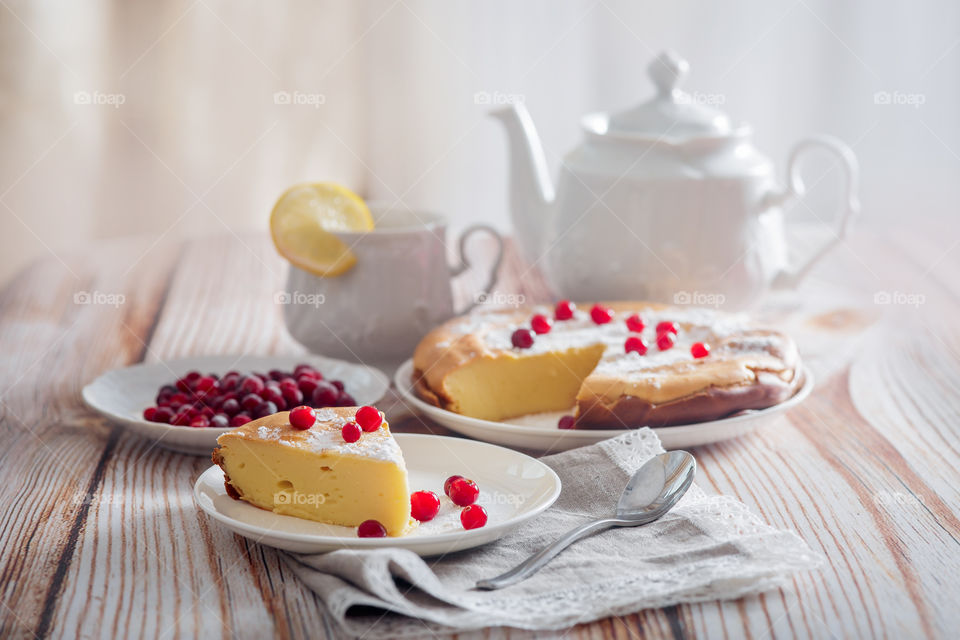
(704, 325)
(269, 433)
(326, 436)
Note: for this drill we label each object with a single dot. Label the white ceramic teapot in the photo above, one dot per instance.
(667, 201)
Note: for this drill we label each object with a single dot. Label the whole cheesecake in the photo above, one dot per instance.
(314, 473)
(593, 364)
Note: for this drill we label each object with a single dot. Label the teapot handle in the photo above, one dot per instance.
(796, 189)
(465, 263)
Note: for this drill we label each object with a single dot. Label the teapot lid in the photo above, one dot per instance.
(671, 113)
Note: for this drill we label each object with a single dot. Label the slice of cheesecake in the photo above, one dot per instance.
(314, 473)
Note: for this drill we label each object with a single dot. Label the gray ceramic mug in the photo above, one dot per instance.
(397, 291)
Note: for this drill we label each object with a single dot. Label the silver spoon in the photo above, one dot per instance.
(652, 491)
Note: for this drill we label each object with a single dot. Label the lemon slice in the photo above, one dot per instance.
(303, 218)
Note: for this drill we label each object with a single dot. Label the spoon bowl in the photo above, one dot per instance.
(657, 486)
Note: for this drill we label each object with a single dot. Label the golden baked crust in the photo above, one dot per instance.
(748, 367)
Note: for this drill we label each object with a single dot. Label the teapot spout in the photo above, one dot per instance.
(531, 191)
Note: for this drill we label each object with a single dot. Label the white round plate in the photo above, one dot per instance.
(513, 488)
(121, 395)
(539, 432)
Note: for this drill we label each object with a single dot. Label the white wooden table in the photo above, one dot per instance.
(100, 536)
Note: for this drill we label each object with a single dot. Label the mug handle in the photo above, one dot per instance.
(796, 189)
(465, 263)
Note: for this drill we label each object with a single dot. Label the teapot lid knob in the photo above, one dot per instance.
(672, 113)
(667, 71)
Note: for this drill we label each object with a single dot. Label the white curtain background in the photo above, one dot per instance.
(183, 135)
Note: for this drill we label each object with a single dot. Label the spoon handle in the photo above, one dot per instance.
(535, 562)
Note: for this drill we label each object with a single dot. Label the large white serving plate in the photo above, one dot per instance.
(540, 433)
(121, 395)
(513, 488)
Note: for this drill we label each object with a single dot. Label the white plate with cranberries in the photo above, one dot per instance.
(480, 493)
(553, 432)
(184, 405)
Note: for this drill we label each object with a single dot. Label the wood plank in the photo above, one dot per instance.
(53, 454)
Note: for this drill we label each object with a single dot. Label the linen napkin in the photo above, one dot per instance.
(706, 548)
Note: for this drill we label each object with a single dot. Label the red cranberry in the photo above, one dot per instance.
(540, 323)
(666, 340)
(338, 384)
(205, 384)
(424, 505)
(371, 529)
(473, 517)
(200, 423)
(601, 314)
(230, 407)
(566, 422)
(179, 398)
(369, 418)
(346, 400)
(220, 421)
(150, 414)
(634, 323)
(239, 420)
(251, 384)
(274, 395)
(564, 310)
(193, 376)
(522, 339)
(463, 492)
(163, 415)
(183, 385)
(291, 396)
(250, 401)
(307, 385)
(229, 382)
(350, 432)
(635, 343)
(165, 393)
(305, 369)
(700, 350)
(276, 374)
(207, 412)
(324, 394)
(288, 383)
(448, 483)
(302, 418)
(182, 418)
(665, 326)
(264, 409)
